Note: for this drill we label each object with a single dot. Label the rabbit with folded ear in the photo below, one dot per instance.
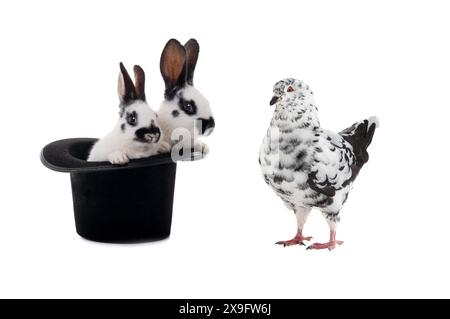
(136, 133)
(183, 106)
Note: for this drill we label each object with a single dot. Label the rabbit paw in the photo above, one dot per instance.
(164, 147)
(118, 158)
(201, 147)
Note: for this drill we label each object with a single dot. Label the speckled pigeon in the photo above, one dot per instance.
(307, 166)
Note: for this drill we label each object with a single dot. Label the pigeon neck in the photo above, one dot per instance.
(297, 113)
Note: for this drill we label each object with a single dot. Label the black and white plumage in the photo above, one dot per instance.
(307, 166)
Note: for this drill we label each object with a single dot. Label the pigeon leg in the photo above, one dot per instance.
(332, 220)
(301, 213)
(330, 245)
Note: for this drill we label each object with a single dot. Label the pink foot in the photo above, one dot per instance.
(330, 245)
(297, 240)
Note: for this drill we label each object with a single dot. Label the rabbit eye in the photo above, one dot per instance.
(290, 89)
(188, 107)
(132, 118)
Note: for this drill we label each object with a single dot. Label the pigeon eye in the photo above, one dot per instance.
(290, 89)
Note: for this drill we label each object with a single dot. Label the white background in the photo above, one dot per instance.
(58, 72)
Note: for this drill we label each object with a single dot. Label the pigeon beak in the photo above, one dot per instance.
(274, 100)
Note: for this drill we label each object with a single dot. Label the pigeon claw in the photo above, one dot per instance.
(330, 245)
(297, 240)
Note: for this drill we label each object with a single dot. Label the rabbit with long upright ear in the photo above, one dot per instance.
(184, 107)
(136, 133)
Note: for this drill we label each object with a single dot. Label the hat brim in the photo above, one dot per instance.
(69, 155)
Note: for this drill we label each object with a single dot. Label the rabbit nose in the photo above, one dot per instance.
(150, 134)
(208, 125)
(152, 138)
(153, 135)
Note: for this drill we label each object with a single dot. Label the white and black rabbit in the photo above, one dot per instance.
(184, 111)
(136, 133)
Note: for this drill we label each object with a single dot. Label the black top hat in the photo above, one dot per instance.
(112, 203)
(69, 156)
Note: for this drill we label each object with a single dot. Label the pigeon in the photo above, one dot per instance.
(307, 166)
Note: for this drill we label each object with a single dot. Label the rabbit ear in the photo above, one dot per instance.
(192, 50)
(139, 80)
(172, 64)
(125, 87)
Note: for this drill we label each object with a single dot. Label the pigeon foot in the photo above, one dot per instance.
(297, 240)
(330, 245)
